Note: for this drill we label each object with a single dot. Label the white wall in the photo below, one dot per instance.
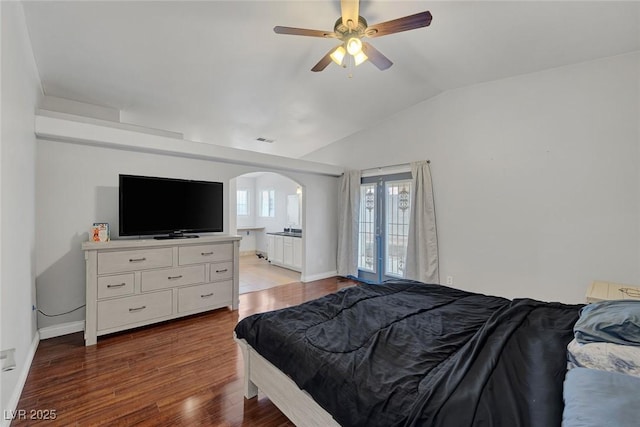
(21, 92)
(319, 224)
(78, 184)
(536, 177)
(248, 242)
(247, 183)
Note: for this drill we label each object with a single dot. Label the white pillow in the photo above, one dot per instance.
(605, 357)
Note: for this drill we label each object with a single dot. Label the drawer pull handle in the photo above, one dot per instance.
(131, 310)
(174, 277)
(117, 285)
(137, 259)
(224, 270)
(206, 295)
(206, 253)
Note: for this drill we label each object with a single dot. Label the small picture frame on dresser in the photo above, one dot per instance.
(99, 232)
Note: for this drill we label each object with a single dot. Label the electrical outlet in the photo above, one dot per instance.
(449, 280)
(7, 360)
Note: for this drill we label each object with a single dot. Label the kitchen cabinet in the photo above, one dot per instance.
(284, 250)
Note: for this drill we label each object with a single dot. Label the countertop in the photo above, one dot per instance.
(286, 233)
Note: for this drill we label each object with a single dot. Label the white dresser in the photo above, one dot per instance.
(133, 283)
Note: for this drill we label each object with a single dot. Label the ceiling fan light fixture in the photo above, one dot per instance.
(338, 55)
(354, 46)
(350, 28)
(359, 58)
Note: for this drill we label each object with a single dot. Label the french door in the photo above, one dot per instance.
(385, 202)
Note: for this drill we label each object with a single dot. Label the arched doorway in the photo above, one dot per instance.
(267, 209)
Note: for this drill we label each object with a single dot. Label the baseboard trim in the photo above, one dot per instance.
(61, 329)
(320, 276)
(12, 405)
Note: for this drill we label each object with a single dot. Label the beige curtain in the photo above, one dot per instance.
(348, 220)
(422, 248)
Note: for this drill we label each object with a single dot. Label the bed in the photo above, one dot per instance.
(410, 353)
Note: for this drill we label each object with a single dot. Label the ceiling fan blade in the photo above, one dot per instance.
(406, 23)
(376, 57)
(326, 60)
(350, 12)
(303, 32)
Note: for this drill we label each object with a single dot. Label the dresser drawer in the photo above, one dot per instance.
(209, 295)
(221, 271)
(171, 277)
(115, 286)
(205, 253)
(118, 312)
(119, 261)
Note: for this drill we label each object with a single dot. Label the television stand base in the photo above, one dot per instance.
(176, 236)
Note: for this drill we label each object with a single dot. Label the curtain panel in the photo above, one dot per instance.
(348, 220)
(422, 246)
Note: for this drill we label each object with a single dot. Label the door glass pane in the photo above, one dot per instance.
(398, 206)
(367, 228)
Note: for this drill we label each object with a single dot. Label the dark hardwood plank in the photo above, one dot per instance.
(186, 372)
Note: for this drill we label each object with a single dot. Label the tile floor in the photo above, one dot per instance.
(257, 274)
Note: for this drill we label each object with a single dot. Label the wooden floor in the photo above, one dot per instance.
(257, 274)
(186, 372)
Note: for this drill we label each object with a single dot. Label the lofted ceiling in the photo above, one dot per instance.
(216, 72)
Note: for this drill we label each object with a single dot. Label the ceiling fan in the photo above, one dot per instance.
(351, 28)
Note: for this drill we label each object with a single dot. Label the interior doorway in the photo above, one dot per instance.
(268, 216)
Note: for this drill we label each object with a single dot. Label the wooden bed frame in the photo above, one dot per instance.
(296, 404)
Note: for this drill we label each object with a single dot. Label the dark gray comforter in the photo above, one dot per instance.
(409, 353)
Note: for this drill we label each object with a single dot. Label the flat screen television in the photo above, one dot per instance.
(156, 206)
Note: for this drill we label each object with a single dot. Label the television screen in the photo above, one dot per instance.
(151, 205)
